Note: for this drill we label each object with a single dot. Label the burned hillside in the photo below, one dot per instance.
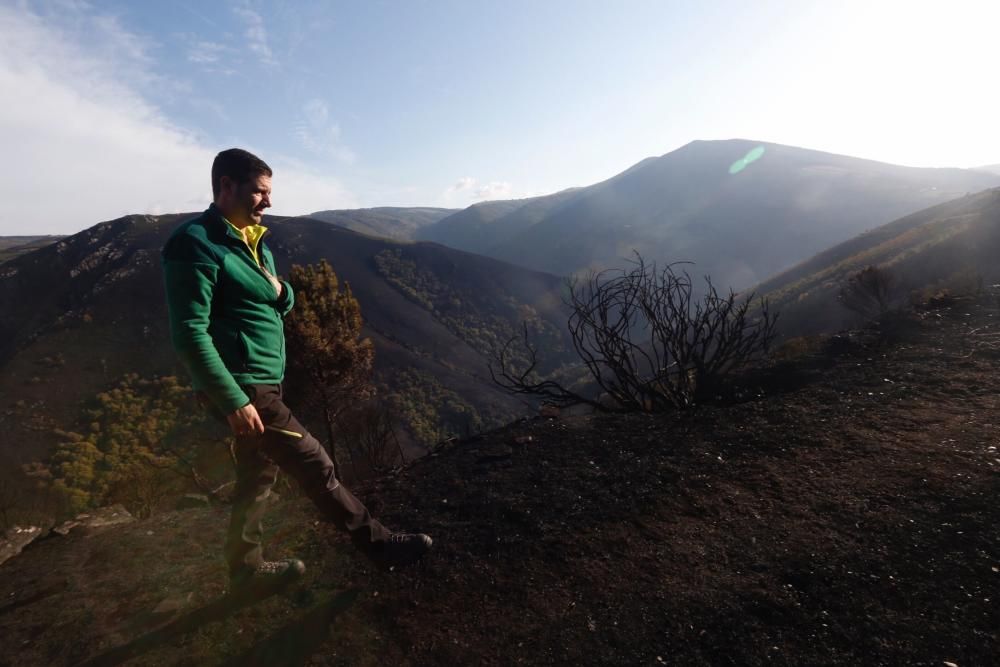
(843, 512)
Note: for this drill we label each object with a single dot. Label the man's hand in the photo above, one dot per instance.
(274, 281)
(245, 421)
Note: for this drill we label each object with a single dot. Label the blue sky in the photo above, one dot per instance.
(118, 107)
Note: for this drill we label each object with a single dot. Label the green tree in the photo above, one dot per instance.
(328, 361)
(134, 449)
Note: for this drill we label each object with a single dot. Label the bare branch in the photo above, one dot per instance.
(645, 340)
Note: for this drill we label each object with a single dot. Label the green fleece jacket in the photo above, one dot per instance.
(225, 317)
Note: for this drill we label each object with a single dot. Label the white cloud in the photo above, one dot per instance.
(209, 56)
(205, 53)
(256, 34)
(316, 113)
(320, 135)
(467, 190)
(82, 144)
(462, 184)
(494, 190)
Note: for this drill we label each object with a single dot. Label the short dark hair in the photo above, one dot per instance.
(239, 165)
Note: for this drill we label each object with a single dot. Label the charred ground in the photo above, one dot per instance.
(844, 512)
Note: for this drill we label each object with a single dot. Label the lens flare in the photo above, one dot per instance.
(742, 163)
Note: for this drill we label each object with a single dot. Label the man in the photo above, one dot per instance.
(226, 307)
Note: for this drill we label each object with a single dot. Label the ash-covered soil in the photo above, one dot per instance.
(845, 512)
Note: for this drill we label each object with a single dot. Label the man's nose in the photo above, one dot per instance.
(267, 201)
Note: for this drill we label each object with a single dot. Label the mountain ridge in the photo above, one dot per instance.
(393, 222)
(686, 205)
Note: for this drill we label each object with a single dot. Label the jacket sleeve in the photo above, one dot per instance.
(191, 273)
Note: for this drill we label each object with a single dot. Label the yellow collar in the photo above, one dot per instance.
(251, 236)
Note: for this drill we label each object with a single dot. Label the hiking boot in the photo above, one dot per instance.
(401, 549)
(268, 573)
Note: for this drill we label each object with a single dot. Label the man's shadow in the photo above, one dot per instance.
(290, 645)
(297, 640)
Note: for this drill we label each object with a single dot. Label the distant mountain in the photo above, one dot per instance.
(387, 221)
(991, 168)
(15, 246)
(952, 246)
(741, 210)
(77, 315)
(491, 223)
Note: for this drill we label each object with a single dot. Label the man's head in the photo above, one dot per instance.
(241, 185)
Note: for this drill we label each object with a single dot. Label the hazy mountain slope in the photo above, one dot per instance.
(836, 520)
(79, 314)
(954, 246)
(482, 228)
(15, 246)
(991, 168)
(386, 221)
(739, 227)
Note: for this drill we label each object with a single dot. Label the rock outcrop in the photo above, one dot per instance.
(15, 539)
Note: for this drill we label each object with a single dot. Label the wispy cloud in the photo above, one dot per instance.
(467, 190)
(198, 15)
(82, 142)
(320, 134)
(463, 184)
(256, 34)
(494, 190)
(210, 56)
(206, 53)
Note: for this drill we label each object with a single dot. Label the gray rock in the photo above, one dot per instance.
(192, 500)
(172, 604)
(63, 529)
(108, 516)
(104, 516)
(15, 539)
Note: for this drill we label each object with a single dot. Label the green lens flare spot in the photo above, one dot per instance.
(754, 155)
(742, 163)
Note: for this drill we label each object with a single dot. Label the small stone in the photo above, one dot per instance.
(191, 501)
(63, 530)
(172, 605)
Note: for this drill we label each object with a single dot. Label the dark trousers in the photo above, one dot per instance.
(258, 459)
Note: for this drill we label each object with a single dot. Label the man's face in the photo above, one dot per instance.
(244, 203)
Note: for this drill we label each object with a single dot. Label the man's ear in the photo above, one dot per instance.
(226, 187)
